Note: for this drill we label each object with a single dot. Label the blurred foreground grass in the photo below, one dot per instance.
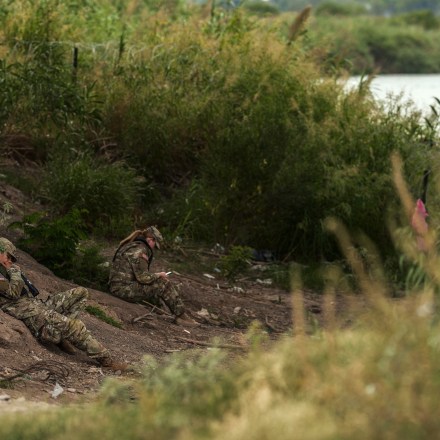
(378, 379)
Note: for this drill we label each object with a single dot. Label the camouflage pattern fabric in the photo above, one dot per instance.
(53, 320)
(131, 281)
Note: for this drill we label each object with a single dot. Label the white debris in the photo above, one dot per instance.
(207, 275)
(266, 282)
(259, 267)
(237, 310)
(5, 397)
(218, 249)
(57, 390)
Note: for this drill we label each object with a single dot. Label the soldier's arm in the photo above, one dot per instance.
(140, 269)
(16, 283)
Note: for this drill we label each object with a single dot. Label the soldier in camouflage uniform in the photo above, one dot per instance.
(54, 320)
(131, 280)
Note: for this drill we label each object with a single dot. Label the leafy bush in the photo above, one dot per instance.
(424, 18)
(52, 242)
(371, 44)
(236, 262)
(261, 8)
(89, 268)
(342, 9)
(260, 144)
(57, 244)
(103, 191)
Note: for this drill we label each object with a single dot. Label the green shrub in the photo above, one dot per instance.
(236, 262)
(103, 191)
(89, 268)
(368, 44)
(423, 18)
(341, 9)
(52, 242)
(261, 8)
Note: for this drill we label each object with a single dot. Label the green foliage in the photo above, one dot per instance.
(52, 242)
(402, 50)
(5, 210)
(340, 9)
(241, 134)
(100, 314)
(57, 244)
(104, 192)
(423, 18)
(236, 262)
(89, 268)
(401, 44)
(259, 7)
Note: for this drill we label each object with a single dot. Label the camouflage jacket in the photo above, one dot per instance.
(14, 295)
(130, 267)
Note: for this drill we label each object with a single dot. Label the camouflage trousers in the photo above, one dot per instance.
(160, 292)
(56, 320)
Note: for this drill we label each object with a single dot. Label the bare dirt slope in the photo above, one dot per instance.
(223, 311)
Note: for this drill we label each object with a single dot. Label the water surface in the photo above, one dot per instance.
(418, 88)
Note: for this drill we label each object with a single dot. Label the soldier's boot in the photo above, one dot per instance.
(185, 321)
(67, 347)
(108, 362)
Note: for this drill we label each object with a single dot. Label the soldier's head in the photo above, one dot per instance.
(8, 249)
(153, 236)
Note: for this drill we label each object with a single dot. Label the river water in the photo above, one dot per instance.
(420, 89)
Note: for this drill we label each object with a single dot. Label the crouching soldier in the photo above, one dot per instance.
(131, 279)
(54, 320)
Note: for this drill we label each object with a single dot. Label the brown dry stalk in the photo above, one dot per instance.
(298, 24)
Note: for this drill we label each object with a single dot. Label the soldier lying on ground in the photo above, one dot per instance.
(131, 279)
(54, 320)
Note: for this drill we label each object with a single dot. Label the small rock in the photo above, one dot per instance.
(237, 310)
(71, 390)
(204, 313)
(5, 397)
